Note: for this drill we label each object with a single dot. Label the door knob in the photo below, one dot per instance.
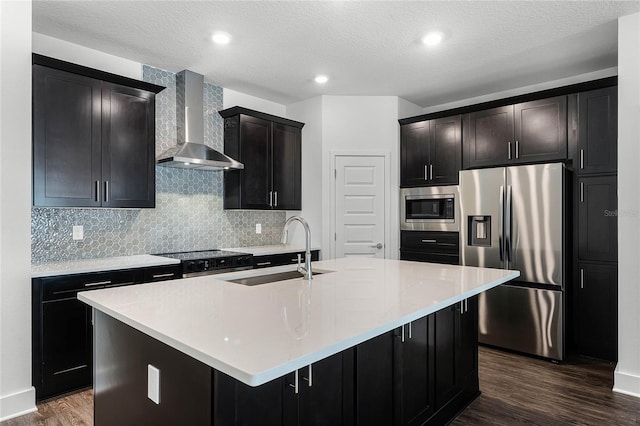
(378, 246)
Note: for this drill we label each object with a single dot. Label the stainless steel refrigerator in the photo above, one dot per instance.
(513, 218)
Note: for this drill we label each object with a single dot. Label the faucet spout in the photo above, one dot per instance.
(306, 270)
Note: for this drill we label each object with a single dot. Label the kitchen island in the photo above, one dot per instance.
(367, 341)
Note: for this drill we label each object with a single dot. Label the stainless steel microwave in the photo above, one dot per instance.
(433, 208)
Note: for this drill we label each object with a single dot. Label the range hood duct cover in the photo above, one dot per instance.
(191, 152)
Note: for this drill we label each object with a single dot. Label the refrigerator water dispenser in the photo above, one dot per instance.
(479, 231)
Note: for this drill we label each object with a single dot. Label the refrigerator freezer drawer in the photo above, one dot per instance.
(523, 319)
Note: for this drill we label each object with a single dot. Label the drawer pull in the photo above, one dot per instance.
(447, 244)
(429, 241)
(97, 283)
(70, 369)
(120, 284)
(263, 263)
(169, 274)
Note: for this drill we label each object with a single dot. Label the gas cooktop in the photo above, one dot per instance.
(205, 262)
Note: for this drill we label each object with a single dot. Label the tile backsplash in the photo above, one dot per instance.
(188, 213)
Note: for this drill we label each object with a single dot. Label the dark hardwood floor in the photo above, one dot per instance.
(516, 390)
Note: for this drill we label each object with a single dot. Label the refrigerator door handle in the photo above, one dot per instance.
(508, 227)
(501, 225)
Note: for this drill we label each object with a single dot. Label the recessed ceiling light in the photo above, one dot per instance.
(433, 38)
(321, 79)
(221, 38)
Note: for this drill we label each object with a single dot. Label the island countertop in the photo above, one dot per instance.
(256, 334)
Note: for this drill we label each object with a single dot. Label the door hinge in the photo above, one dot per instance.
(335, 173)
(335, 236)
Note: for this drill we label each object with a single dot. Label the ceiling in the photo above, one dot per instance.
(365, 47)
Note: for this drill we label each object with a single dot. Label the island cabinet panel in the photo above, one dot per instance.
(123, 355)
(93, 137)
(528, 132)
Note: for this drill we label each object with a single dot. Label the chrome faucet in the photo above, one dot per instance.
(306, 270)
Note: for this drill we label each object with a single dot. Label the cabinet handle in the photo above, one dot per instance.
(120, 284)
(429, 241)
(466, 305)
(517, 149)
(402, 338)
(294, 385)
(409, 330)
(263, 263)
(169, 274)
(270, 198)
(509, 147)
(70, 369)
(581, 278)
(97, 283)
(97, 198)
(310, 378)
(275, 196)
(431, 172)
(582, 192)
(425, 173)
(462, 307)
(106, 191)
(581, 159)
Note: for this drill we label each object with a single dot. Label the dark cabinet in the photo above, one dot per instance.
(430, 246)
(597, 218)
(596, 310)
(93, 137)
(430, 152)
(597, 124)
(270, 148)
(528, 132)
(415, 394)
(270, 260)
(62, 354)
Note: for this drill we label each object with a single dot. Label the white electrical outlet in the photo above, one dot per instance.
(153, 383)
(78, 232)
(258, 228)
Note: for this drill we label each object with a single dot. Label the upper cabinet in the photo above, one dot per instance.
(270, 148)
(93, 137)
(597, 125)
(430, 152)
(527, 132)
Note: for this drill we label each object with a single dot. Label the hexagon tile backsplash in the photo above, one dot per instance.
(188, 213)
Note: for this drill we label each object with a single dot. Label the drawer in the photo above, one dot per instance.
(63, 287)
(282, 259)
(417, 256)
(431, 242)
(162, 273)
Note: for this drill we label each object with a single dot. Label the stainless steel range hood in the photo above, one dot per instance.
(190, 151)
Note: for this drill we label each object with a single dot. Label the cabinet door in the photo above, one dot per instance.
(489, 137)
(598, 131)
(66, 139)
(467, 345)
(255, 153)
(596, 311)
(597, 218)
(446, 342)
(128, 147)
(321, 395)
(446, 150)
(374, 381)
(540, 130)
(415, 399)
(414, 154)
(66, 346)
(287, 160)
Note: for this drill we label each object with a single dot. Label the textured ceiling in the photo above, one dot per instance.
(366, 47)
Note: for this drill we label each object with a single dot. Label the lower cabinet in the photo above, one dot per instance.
(270, 260)
(62, 352)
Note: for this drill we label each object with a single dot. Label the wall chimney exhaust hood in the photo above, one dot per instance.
(191, 152)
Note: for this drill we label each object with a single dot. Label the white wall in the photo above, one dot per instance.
(609, 72)
(17, 396)
(310, 113)
(70, 52)
(627, 373)
(231, 98)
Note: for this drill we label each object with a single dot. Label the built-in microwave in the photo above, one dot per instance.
(433, 208)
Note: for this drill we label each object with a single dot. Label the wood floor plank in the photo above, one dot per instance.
(516, 390)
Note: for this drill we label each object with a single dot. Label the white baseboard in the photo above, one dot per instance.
(628, 384)
(17, 404)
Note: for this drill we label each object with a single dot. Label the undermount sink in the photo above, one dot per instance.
(273, 277)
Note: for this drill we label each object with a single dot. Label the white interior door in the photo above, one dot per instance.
(360, 206)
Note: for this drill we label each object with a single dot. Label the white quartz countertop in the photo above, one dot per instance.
(258, 333)
(98, 265)
(271, 249)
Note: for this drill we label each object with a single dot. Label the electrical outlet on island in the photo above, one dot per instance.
(258, 228)
(78, 232)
